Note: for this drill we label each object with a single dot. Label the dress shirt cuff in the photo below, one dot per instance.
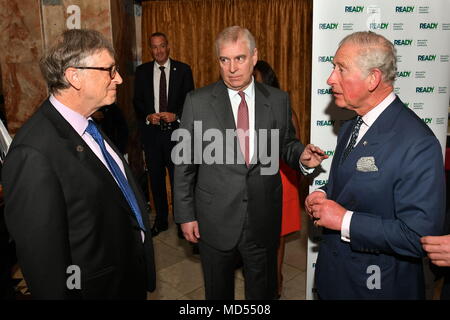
(345, 227)
(305, 170)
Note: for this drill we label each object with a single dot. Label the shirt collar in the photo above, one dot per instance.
(370, 117)
(76, 120)
(166, 65)
(249, 91)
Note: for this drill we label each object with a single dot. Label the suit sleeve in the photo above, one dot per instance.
(185, 168)
(291, 148)
(139, 96)
(419, 195)
(35, 214)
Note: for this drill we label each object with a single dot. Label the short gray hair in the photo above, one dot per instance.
(375, 52)
(71, 50)
(233, 34)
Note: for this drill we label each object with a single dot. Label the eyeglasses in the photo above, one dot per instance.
(112, 70)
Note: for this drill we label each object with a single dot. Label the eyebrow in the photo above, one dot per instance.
(236, 57)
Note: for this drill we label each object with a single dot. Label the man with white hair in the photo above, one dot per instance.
(386, 184)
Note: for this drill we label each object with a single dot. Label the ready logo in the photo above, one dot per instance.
(353, 9)
(328, 26)
(324, 91)
(426, 57)
(379, 26)
(424, 89)
(326, 58)
(403, 42)
(428, 26)
(320, 182)
(325, 123)
(329, 153)
(403, 74)
(404, 9)
(427, 120)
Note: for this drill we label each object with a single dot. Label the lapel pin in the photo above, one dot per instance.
(174, 69)
(80, 148)
(365, 143)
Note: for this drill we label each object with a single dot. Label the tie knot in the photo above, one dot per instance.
(241, 94)
(92, 129)
(162, 68)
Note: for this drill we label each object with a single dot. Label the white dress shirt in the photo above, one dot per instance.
(157, 79)
(235, 100)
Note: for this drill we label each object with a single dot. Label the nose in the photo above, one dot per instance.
(331, 79)
(117, 78)
(233, 66)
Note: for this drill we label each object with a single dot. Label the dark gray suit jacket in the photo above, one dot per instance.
(63, 207)
(221, 196)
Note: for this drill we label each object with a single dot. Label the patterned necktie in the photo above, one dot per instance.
(117, 173)
(162, 91)
(353, 137)
(242, 124)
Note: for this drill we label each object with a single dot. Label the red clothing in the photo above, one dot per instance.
(290, 221)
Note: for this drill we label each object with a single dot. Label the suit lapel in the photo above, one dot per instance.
(222, 106)
(380, 132)
(81, 151)
(150, 87)
(173, 77)
(262, 120)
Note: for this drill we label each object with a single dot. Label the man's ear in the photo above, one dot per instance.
(375, 77)
(73, 77)
(255, 56)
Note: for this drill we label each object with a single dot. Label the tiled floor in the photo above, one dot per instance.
(179, 273)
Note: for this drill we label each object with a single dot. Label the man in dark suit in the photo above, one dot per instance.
(73, 207)
(386, 184)
(160, 89)
(227, 201)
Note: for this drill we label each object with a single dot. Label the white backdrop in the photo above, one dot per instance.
(420, 30)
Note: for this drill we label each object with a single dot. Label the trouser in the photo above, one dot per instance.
(259, 269)
(158, 158)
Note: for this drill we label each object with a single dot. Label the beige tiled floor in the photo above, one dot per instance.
(179, 272)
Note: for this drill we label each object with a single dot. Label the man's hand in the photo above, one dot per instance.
(167, 116)
(153, 118)
(438, 249)
(190, 231)
(312, 156)
(312, 198)
(327, 213)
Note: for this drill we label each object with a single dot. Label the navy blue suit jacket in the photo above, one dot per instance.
(393, 208)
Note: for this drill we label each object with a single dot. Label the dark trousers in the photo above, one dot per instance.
(7, 260)
(157, 156)
(259, 269)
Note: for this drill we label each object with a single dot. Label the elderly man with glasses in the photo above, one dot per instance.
(73, 206)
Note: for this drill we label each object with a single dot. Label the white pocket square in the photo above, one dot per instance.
(366, 164)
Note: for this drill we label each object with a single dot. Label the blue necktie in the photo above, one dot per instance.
(117, 173)
(353, 137)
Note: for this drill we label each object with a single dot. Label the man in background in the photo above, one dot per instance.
(160, 89)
